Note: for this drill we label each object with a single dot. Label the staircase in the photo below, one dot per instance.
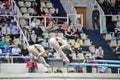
(98, 40)
(57, 4)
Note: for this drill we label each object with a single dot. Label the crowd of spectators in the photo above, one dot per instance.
(111, 8)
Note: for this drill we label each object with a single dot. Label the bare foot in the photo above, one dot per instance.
(66, 60)
(46, 65)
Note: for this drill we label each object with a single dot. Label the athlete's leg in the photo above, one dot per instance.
(35, 52)
(55, 45)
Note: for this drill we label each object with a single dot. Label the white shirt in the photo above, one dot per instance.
(1, 5)
(5, 30)
(33, 24)
(99, 52)
(16, 51)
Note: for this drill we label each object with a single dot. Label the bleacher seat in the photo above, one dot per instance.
(83, 36)
(27, 4)
(80, 56)
(87, 42)
(92, 48)
(113, 43)
(49, 5)
(43, 4)
(118, 24)
(94, 70)
(114, 18)
(108, 37)
(21, 3)
(64, 69)
(23, 9)
(51, 10)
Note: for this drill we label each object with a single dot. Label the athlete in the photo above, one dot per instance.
(59, 44)
(39, 51)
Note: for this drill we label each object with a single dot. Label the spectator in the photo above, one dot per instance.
(38, 4)
(33, 38)
(51, 27)
(6, 51)
(79, 27)
(56, 14)
(5, 29)
(113, 9)
(32, 65)
(1, 35)
(1, 4)
(40, 11)
(46, 18)
(117, 51)
(3, 42)
(99, 53)
(106, 6)
(87, 60)
(13, 31)
(68, 33)
(33, 23)
(64, 27)
(95, 17)
(77, 46)
(75, 33)
(24, 52)
(4, 11)
(117, 5)
(34, 5)
(16, 50)
(45, 44)
(38, 31)
(13, 22)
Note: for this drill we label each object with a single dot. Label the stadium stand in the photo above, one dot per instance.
(89, 40)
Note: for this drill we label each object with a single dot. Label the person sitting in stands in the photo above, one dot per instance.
(33, 38)
(51, 27)
(13, 31)
(16, 52)
(6, 51)
(79, 27)
(3, 42)
(33, 23)
(99, 53)
(77, 46)
(68, 33)
(117, 51)
(24, 52)
(1, 35)
(38, 31)
(56, 14)
(5, 29)
(13, 22)
(64, 27)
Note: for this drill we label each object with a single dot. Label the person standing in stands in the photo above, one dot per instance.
(95, 17)
(39, 51)
(59, 45)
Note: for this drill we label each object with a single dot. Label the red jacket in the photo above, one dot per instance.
(29, 64)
